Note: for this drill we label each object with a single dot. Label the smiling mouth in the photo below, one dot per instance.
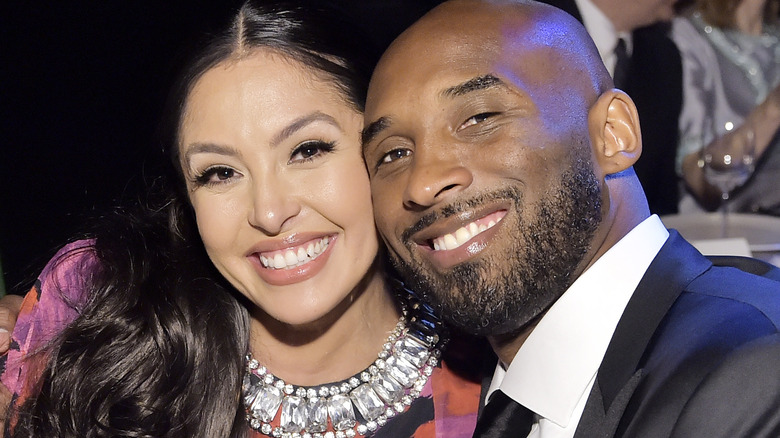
(467, 232)
(296, 256)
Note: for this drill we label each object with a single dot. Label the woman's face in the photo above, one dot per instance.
(271, 155)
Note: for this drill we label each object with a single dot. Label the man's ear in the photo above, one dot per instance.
(613, 122)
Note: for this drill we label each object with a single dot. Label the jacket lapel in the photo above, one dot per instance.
(675, 266)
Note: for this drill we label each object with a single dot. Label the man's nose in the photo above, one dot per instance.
(437, 173)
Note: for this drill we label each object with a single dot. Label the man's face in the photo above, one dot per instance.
(480, 170)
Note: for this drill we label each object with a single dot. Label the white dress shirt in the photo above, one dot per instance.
(554, 370)
(603, 33)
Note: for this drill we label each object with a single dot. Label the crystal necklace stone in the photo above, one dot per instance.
(318, 415)
(388, 388)
(266, 403)
(367, 401)
(293, 414)
(341, 413)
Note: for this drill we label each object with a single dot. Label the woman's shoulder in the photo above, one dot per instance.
(55, 298)
(52, 303)
(71, 265)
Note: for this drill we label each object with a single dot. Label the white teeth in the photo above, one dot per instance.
(462, 235)
(450, 241)
(290, 258)
(295, 257)
(279, 261)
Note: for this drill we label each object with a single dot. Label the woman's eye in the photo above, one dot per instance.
(311, 149)
(473, 120)
(215, 175)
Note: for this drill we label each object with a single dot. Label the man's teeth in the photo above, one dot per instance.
(291, 258)
(462, 235)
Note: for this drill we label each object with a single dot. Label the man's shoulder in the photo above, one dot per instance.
(732, 289)
(716, 350)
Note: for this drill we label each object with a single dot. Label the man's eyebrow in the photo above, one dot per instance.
(300, 123)
(474, 84)
(373, 129)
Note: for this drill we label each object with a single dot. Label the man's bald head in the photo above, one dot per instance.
(537, 41)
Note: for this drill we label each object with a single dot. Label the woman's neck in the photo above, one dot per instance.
(749, 16)
(334, 348)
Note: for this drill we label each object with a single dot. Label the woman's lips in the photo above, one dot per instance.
(293, 264)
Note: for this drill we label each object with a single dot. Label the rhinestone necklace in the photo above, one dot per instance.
(359, 405)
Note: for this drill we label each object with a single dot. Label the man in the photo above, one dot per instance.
(501, 161)
(650, 71)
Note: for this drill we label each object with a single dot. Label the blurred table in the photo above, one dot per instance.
(759, 234)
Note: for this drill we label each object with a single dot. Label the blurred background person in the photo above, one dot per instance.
(731, 70)
(633, 40)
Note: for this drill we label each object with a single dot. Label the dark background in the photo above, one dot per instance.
(82, 85)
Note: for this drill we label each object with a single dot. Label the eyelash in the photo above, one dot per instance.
(383, 158)
(320, 146)
(478, 118)
(204, 178)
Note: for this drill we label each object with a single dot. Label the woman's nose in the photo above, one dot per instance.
(273, 206)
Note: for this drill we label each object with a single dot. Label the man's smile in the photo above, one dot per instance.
(467, 232)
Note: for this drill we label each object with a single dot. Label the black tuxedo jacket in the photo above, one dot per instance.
(655, 84)
(695, 354)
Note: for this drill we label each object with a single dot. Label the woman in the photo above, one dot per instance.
(300, 332)
(731, 82)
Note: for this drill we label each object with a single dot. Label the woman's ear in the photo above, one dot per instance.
(615, 135)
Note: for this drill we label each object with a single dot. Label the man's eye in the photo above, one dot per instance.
(473, 120)
(395, 154)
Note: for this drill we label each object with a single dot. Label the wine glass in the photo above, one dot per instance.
(728, 162)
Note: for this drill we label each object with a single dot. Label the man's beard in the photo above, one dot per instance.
(501, 294)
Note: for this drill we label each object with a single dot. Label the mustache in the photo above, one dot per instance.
(457, 207)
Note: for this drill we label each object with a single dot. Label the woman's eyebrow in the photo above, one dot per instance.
(213, 148)
(300, 123)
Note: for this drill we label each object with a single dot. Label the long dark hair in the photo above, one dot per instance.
(158, 346)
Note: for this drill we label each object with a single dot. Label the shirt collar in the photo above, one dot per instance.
(558, 361)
